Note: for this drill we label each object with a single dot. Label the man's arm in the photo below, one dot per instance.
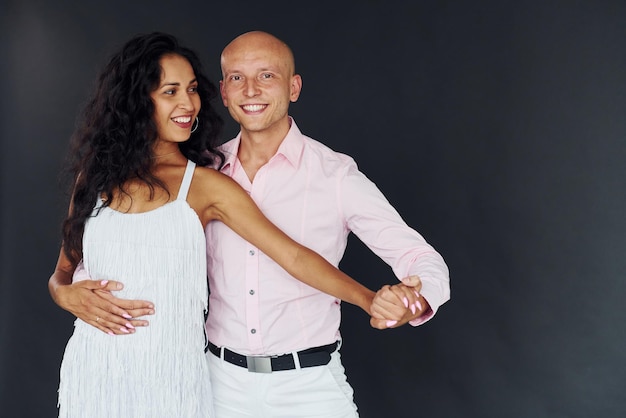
(92, 301)
(370, 216)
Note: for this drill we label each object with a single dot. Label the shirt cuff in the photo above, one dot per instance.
(426, 316)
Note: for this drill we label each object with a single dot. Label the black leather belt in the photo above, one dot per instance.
(311, 357)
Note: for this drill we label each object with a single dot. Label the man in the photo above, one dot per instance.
(257, 311)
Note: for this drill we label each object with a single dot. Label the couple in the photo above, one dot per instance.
(143, 194)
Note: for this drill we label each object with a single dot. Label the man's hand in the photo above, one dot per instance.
(92, 301)
(396, 305)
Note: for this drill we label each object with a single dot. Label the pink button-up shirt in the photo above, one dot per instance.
(316, 196)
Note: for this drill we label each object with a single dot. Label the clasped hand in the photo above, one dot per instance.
(395, 305)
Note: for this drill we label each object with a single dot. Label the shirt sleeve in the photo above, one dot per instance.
(370, 216)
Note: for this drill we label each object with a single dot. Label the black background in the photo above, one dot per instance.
(496, 128)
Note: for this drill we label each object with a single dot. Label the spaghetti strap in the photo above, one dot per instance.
(184, 185)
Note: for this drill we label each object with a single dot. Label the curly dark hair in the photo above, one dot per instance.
(114, 138)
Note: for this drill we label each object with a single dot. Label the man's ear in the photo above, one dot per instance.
(224, 100)
(296, 87)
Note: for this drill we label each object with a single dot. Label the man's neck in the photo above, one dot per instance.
(257, 148)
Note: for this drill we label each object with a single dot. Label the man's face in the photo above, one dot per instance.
(258, 84)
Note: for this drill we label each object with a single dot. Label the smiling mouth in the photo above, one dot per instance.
(253, 107)
(182, 119)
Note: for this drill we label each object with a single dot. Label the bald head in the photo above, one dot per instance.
(259, 43)
(258, 84)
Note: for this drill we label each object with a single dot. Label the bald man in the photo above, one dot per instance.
(273, 342)
(317, 196)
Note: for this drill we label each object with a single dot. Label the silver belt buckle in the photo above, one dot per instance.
(258, 364)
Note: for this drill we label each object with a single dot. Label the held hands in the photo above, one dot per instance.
(92, 302)
(398, 304)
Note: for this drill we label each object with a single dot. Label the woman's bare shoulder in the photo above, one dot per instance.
(209, 186)
(210, 177)
(211, 192)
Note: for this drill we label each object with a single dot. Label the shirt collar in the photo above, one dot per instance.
(293, 144)
(291, 148)
(230, 149)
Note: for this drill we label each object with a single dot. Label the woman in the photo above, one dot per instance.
(141, 200)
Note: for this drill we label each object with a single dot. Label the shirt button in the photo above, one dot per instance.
(253, 331)
(251, 252)
(252, 291)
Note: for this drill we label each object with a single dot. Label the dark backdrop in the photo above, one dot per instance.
(496, 128)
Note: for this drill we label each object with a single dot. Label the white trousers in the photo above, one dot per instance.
(321, 391)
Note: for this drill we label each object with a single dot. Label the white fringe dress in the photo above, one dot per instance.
(160, 370)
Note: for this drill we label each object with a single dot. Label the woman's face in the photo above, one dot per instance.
(176, 100)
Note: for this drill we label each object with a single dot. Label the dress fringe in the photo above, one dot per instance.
(160, 370)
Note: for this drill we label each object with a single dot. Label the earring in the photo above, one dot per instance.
(194, 128)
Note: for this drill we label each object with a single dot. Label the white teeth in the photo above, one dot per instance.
(182, 119)
(253, 108)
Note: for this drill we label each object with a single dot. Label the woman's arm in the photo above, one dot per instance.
(231, 205)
